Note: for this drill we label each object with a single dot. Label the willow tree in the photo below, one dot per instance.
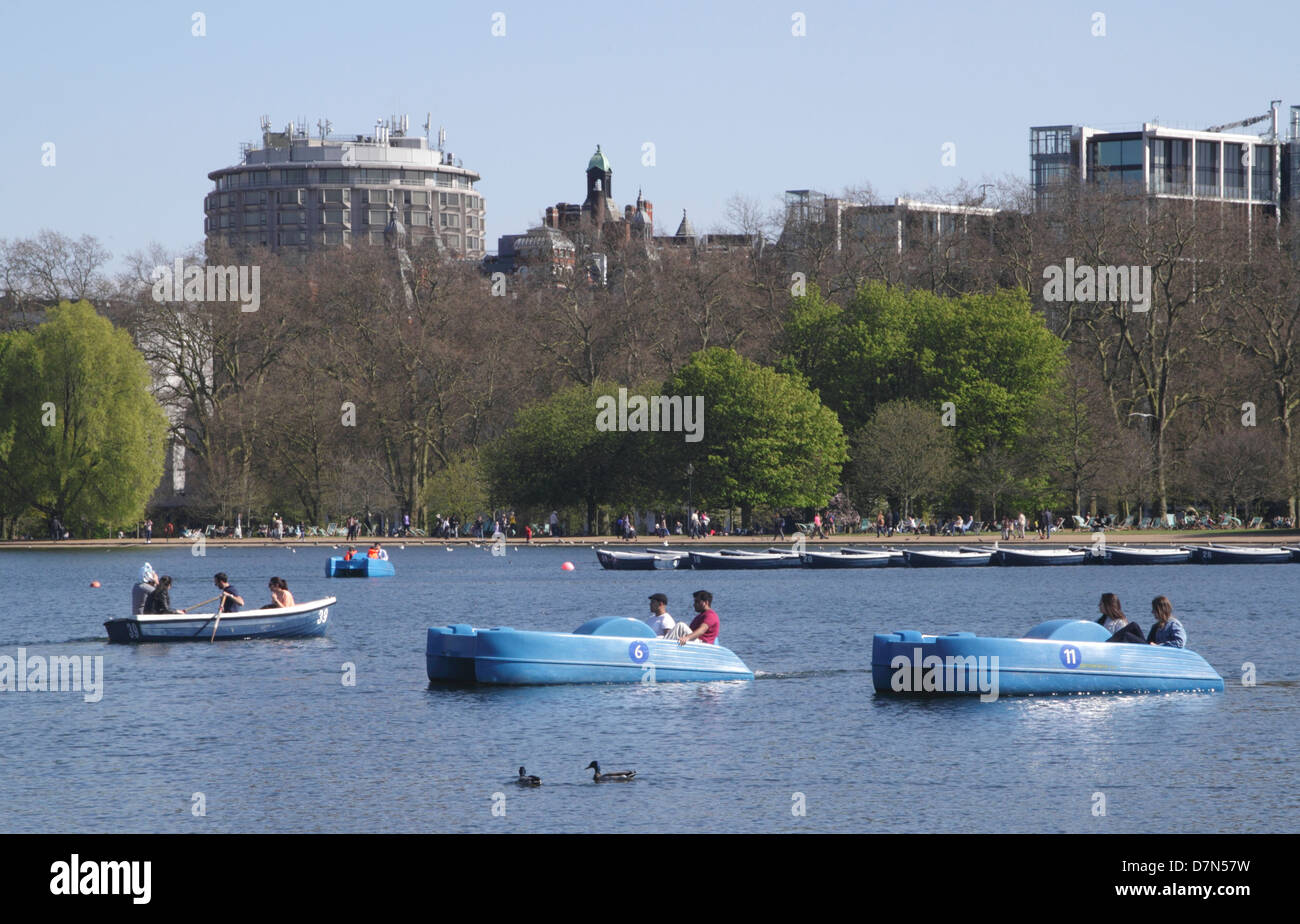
(80, 431)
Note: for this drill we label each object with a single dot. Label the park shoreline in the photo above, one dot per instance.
(867, 540)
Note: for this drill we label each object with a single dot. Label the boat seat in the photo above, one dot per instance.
(908, 635)
(621, 626)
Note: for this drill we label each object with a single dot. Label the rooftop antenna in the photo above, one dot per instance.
(428, 126)
(266, 123)
(442, 138)
(324, 126)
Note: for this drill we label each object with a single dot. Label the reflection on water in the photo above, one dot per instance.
(276, 741)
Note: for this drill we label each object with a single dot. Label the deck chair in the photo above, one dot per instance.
(1127, 524)
(1171, 521)
(1255, 523)
(1079, 522)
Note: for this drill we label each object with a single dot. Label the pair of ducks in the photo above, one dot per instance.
(616, 776)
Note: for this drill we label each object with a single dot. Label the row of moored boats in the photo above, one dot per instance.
(964, 556)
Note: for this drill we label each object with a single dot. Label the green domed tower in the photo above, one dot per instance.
(600, 193)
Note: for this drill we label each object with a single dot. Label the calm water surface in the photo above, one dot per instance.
(274, 741)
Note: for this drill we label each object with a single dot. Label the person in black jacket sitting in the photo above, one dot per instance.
(160, 600)
(1114, 621)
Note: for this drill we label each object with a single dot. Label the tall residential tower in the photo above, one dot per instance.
(298, 192)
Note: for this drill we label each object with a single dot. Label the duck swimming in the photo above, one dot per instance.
(526, 780)
(616, 776)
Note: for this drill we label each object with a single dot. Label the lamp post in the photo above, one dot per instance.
(690, 499)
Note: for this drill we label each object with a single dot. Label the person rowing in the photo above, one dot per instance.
(231, 601)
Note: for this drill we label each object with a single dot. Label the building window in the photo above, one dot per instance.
(1261, 172)
(450, 220)
(1169, 166)
(1207, 168)
(377, 217)
(1234, 171)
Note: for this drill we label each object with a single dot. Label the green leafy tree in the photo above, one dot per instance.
(460, 488)
(766, 439)
(83, 435)
(904, 452)
(554, 455)
(989, 355)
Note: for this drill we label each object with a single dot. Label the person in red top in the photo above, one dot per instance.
(349, 554)
(705, 625)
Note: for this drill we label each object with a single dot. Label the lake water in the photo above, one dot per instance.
(274, 741)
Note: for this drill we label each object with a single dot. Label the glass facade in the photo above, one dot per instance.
(1207, 168)
(1234, 171)
(1116, 161)
(1261, 173)
(1170, 166)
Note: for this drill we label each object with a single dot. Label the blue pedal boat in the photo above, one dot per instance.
(608, 649)
(360, 566)
(302, 620)
(1059, 656)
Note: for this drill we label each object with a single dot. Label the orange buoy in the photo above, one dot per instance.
(94, 583)
(567, 566)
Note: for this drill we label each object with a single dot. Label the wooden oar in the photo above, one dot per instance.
(205, 603)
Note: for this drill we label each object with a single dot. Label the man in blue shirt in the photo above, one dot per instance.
(231, 601)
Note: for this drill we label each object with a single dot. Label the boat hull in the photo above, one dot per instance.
(642, 561)
(846, 560)
(1022, 558)
(304, 620)
(1117, 556)
(1057, 657)
(359, 567)
(918, 559)
(1216, 555)
(720, 561)
(502, 655)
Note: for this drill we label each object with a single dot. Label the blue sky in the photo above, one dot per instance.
(140, 110)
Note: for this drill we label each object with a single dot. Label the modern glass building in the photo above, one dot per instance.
(296, 192)
(1255, 173)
